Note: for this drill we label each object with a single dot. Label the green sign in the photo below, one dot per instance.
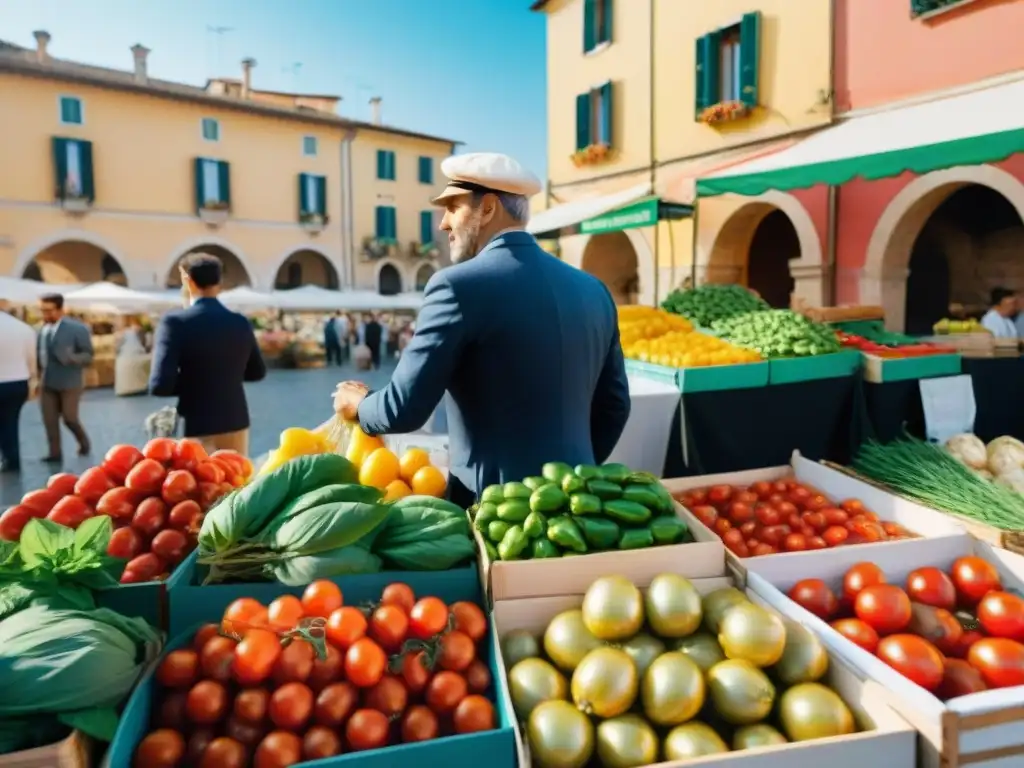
(640, 214)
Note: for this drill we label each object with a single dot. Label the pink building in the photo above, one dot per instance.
(923, 173)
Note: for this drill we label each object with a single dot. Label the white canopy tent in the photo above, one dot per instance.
(246, 298)
(114, 299)
(313, 298)
(15, 290)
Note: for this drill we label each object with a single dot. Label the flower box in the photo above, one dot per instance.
(593, 154)
(723, 112)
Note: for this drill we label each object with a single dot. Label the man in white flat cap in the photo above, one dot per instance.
(526, 346)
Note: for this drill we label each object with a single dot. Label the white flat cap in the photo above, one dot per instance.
(486, 172)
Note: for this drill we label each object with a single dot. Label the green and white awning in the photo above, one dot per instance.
(979, 127)
(629, 209)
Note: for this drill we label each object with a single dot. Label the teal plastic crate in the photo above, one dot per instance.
(147, 601)
(495, 749)
(710, 378)
(713, 378)
(654, 372)
(191, 603)
(790, 370)
(879, 370)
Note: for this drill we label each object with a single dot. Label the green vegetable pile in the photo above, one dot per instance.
(568, 511)
(310, 519)
(709, 303)
(928, 474)
(778, 333)
(64, 663)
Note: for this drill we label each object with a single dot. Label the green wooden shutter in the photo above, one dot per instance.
(378, 224)
(303, 197)
(392, 174)
(60, 166)
(606, 26)
(607, 115)
(85, 158)
(380, 164)
(583, 121)
(426, 227)
(589, 27)
(750, 57)
(224, 180)
(707, 91)
(197, 169)
(393, 224)
(321, 195)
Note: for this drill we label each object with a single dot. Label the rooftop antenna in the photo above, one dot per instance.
(217, 44)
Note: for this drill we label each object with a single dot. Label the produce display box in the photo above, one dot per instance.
(149, 600)
(983, 729)
(879, 370)
(885, 739)
(73, 752)
(191, 603)
(710, 378)
(926, 523)
(496, 748)
(518, 579)
(997, 537)
(791, 370)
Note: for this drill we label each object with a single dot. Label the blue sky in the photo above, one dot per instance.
(472, 70)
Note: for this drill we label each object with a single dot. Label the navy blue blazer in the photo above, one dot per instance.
(202, 355)
(528, 350)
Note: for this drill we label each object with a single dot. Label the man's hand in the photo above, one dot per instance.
(347, 398)
(33, 390)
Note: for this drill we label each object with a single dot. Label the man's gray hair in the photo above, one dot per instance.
(517, 206)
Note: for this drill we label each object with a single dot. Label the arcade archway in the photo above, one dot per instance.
(612, 259)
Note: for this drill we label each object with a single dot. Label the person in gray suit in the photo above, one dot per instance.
(526, 346)
(64, 352)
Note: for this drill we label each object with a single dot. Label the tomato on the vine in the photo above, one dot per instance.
(419, 724)
(294, 664)
(217, 656)
(388, 695)
(474, 713)
(365, 663)
(335, 703)
(366, 729)
(389, 626)
(291, 706)
(414, 671)
(469, 618)
(243, 614)
(457, 651)
(251, 705)
(428, 617)
(345, 626)
(255, 656)
(913, 657)
(285, 612)
(445, 690)
(322, 598)
(326, 670)
(400, 595)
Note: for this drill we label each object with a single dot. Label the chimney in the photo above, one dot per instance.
(375, 110)
(139, 53)
(247, 65)
(42, 40)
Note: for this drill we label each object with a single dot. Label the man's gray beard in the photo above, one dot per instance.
(472, 243)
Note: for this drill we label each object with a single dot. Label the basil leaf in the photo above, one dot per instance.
(42, 539)
(97, 579)
(94, 535)
(8, 552)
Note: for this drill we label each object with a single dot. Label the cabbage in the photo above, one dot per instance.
(968, 449)
(76, 665)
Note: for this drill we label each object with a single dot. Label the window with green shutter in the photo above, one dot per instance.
(583, 120)
(597, 23)
(727, 66)
(386, 227)
(595, 117)
(210, 128)
(73, 172)
(385, 164)
(213, 183)
(71, 110)
(426, 227)
(309, 146)
(426, 170)
(312, 196)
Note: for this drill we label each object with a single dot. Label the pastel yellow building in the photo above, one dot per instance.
(113, 174)
(646, 96)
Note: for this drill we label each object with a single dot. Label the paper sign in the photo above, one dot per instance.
(949, 406)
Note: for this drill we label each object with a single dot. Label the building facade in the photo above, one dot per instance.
(916, 243)
(644, 97)
(112, 174)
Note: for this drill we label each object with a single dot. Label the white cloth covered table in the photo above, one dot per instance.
(644, 441)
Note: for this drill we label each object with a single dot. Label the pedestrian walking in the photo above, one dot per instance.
(64, 352)
(17, 372)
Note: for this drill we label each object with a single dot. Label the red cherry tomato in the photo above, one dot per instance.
(885, 607)
(860, 576)
(815, 596)
(1001, 614)
(119, 461)
(62, 483)
(118, 503)
(974, 577)
(71, 511)
(858, 633)
(146, 477)
(93, 484)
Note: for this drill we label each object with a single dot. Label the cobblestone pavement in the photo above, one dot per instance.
(283, 399)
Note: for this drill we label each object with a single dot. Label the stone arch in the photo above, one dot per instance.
(389, 278)
(612, 259)
(421, 273)
(218, 247)
(726, 247)
(314, 266)
(384, 266)
(105, 247)
(886, 263)
(330, 274)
